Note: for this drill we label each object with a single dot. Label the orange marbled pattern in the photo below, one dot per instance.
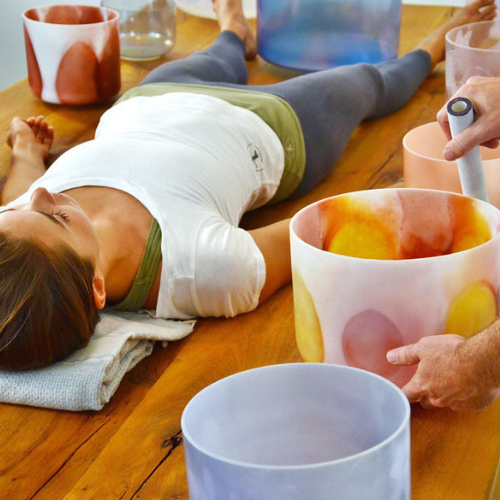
(374, 270)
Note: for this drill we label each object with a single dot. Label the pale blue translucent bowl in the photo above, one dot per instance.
(303, 431)
(311, 35)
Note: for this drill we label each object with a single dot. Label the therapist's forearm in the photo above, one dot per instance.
(485, 348)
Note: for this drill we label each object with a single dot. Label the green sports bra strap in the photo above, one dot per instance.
(146, 275)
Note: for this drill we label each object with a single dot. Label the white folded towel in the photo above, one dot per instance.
(88, 378)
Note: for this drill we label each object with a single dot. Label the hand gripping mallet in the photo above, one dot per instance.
(470, 167)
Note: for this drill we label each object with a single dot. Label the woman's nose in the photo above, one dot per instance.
(40, 198)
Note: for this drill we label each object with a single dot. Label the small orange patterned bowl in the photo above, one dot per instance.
(73, 53)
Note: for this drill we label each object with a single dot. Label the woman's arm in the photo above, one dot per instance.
(274, 243)
(30, 141)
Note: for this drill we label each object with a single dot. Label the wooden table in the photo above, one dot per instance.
(133, 447)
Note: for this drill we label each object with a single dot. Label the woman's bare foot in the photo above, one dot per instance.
(231, 17)
(478, 10)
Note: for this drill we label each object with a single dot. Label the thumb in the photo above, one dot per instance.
(458, 146)
(406, 355)
(478, 133)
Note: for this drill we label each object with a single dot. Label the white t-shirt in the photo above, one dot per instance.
(197, 164)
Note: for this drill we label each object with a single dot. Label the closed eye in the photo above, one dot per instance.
(52, 216)
(64, 216)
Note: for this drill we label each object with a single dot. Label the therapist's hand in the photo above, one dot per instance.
(484, 93)
(449, 374)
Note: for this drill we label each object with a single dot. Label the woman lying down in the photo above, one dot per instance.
(146, 215)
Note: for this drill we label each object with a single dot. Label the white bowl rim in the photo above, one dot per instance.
(458, 28)
(451, 164)
(324, 366)
(115, 16)
(394, 262)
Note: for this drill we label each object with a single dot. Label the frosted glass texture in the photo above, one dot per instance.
(298, 431)
(378, 269)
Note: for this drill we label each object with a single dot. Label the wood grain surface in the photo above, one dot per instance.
(132, 449)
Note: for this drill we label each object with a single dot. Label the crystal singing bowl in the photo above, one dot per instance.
(472, 50)
(425, 167)
(73, 53)
(374, 270)
(312, 35)
(296, 432)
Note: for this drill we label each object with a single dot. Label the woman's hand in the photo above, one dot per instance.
(30, 141)
(35, 134)
(452, 372)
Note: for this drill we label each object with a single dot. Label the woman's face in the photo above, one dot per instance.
(54, 220)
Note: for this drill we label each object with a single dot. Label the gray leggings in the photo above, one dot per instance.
(329, 104)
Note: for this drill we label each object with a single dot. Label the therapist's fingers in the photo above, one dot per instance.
(456, 148)
(414, 392)
(405, 356)
(442, 118)
(480, 132)
(492, 144)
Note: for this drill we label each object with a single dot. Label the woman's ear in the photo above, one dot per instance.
(99, 290)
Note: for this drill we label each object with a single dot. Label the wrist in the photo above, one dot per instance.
(27, 152)
(480, 356)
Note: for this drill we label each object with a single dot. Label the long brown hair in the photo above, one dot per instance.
(47, 306)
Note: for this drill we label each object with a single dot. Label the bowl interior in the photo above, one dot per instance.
(428, 141)
(480, 36)
(70, 14)
(397, 224)
(294, 415)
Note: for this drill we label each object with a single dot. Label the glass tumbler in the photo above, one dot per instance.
(147, 27)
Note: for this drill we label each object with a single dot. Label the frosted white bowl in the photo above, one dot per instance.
(298, 431)
(408, 263)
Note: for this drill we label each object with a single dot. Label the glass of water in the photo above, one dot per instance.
(147, 27)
